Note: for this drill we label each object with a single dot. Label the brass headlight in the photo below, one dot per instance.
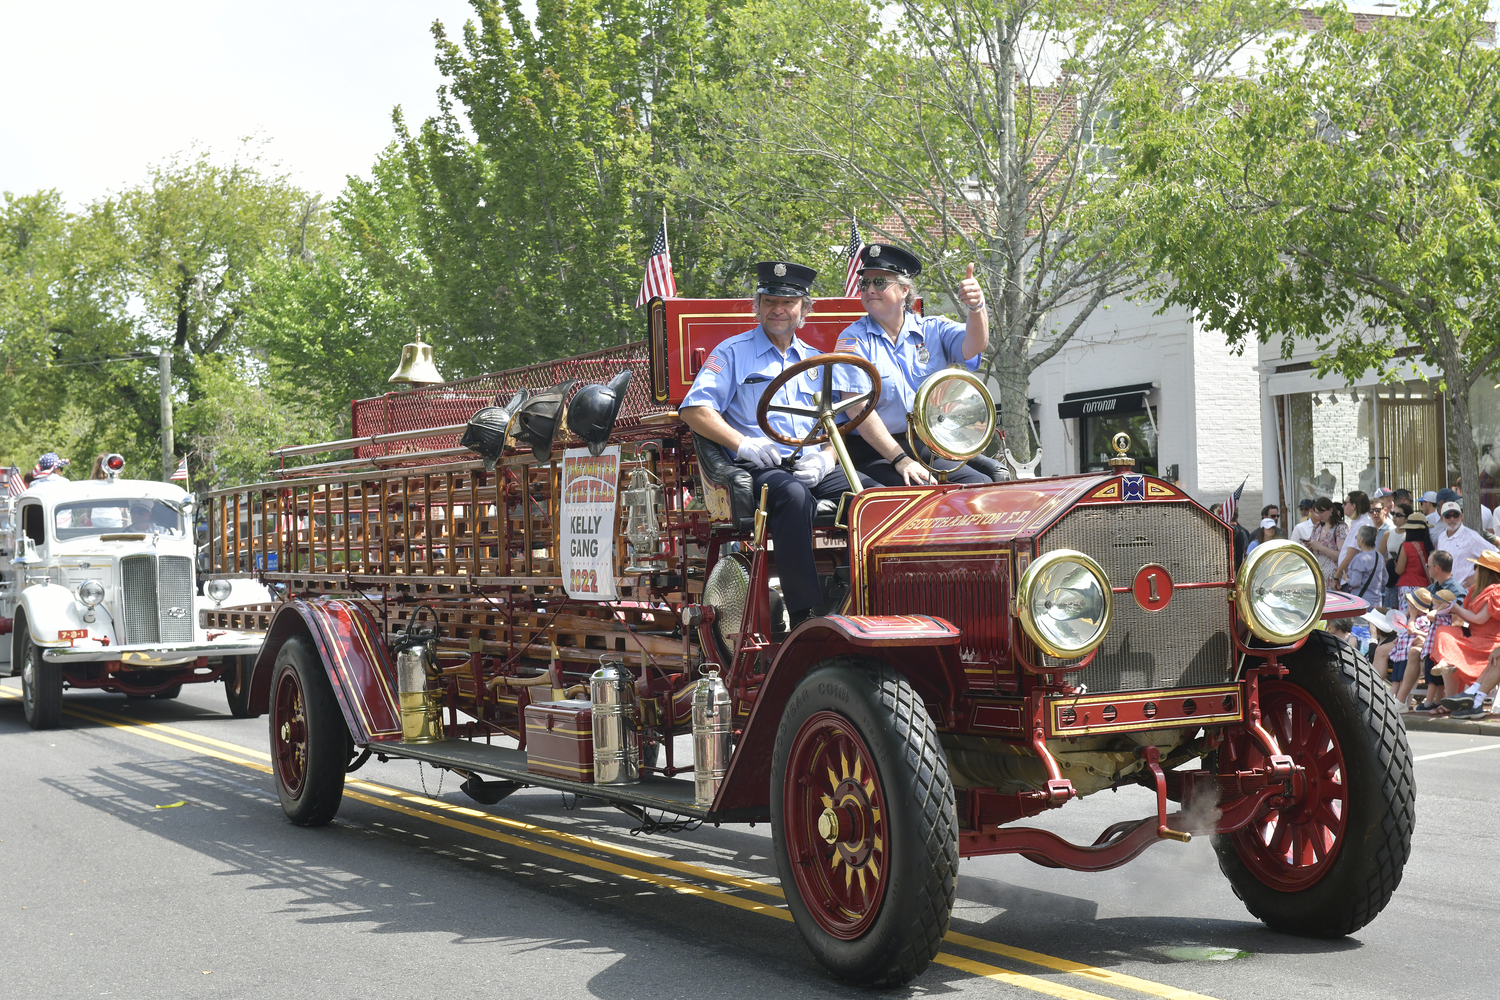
(953, 414)
(1065, 603)
(1280, 591)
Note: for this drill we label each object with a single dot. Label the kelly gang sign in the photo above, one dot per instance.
(589, 493)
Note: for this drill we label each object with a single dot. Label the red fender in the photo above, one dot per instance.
(928, 658)
(354, 653)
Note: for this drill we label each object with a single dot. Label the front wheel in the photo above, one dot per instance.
(863, 822)
(309, 741)
(167, 694)
(237, 687)
(1324, 861)
(41, 682)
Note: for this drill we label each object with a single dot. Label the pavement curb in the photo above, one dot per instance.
(1417, 723)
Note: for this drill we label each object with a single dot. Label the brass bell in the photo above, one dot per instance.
(416, 367)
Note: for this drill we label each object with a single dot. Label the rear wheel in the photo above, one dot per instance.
(169, 693)
(309, 741)
(41, 682)
(863, 820)
(1324, 861)
(237, 687)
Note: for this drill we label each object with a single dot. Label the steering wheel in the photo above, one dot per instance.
(827, 406)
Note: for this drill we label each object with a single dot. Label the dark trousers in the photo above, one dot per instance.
(868, 462)
(789, 516)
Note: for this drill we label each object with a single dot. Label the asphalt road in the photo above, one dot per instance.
(154, 861)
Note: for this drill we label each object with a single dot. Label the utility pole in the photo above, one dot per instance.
(164, 371)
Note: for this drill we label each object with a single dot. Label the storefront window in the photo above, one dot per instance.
(1096, 433)
(1331, 443)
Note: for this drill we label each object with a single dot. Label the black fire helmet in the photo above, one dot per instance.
(488, 429)
(592, 413)
(536, 422)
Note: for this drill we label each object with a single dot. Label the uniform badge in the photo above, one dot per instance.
(780, 270)
(1135, 486)
(923, 354)
(875, 250)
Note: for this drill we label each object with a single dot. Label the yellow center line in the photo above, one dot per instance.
(408, 804)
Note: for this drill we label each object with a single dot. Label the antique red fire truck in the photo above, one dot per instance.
(986, 653)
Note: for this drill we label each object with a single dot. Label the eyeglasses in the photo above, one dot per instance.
(1274, 516)
(1451, 514)
(876, 283)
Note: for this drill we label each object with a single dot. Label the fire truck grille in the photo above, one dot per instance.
(158, 598)
(970, 596)
(1188, 642)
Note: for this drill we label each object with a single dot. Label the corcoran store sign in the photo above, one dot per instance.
(1105, 402)
(589, 492)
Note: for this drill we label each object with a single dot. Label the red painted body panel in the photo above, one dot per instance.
(560, 739)
(355, 655)
(683, 332)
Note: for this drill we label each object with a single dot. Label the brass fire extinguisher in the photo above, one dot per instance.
(417, 681)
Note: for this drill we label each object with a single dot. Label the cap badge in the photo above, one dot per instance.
(779, 270)
(875, 250)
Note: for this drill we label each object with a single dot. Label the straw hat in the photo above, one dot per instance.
(1420, 600)
(1489, 559)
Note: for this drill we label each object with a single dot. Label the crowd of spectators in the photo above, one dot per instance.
(1433, 584)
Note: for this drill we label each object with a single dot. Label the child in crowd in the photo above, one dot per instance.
(1366, 571)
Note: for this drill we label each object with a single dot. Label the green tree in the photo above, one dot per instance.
(971, 130)
(1352, 182)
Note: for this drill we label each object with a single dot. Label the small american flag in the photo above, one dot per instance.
(181, 475)
(1231, 506)
(851, 279)
(15, 483)
(658, 279)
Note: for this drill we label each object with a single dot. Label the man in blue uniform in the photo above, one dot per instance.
(905, 348)
(721, 407)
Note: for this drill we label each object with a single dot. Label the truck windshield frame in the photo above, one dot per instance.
(116, 515)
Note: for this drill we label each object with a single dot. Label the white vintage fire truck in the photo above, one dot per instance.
(99, 589)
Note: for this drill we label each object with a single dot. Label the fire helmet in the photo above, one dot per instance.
(592, 413)
(536, 422)
(488, 429)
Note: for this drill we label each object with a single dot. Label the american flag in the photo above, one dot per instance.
(658, 279)
(1231, 506)
(181, 475)
(851, 279)
(15, 484)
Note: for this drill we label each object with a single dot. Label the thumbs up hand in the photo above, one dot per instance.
(970, 291)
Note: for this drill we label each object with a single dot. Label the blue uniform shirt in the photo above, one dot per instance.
(736, 374)
(925, 345)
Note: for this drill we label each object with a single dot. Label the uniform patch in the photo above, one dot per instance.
(713, 364)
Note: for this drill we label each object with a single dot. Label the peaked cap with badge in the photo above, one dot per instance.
(884, 257)
(783, 278)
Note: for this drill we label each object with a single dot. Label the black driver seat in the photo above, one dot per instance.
(716, 466)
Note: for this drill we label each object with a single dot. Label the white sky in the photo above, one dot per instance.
(93, 91)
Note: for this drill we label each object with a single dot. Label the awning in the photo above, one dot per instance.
(1105, 402)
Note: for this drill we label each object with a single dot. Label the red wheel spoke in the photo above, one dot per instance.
(1294, 844)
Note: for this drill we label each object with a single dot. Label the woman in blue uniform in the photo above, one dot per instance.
(905, 348)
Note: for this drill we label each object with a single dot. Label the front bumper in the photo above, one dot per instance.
(155, 656)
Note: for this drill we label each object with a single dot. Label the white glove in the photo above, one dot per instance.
(763, 453)
(813, 466)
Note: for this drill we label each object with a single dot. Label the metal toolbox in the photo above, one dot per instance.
(560, 739)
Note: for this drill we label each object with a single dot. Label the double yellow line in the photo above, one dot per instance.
(559, 844)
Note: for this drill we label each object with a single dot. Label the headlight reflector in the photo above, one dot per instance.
(90, 592)
(1065, 603)
(217, 590)
(953, 414)
(1280, 591)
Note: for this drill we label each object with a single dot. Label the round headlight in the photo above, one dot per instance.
(1279, 591)
(217, 590)
(1065, 603)
(954, 414)
(90, 592)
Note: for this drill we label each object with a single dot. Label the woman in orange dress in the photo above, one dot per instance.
(1462, 660)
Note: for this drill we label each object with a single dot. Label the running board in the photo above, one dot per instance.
(667, 795)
